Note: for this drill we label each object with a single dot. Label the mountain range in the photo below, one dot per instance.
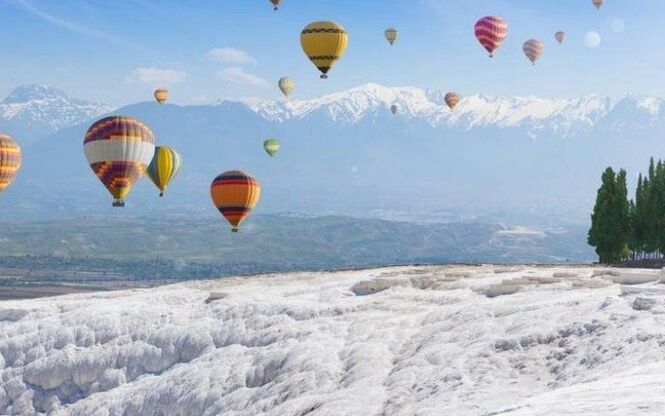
(495, 159)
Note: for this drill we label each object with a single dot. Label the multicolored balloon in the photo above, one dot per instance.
(560, 37)
(164, 167)
(393, 109)
(491, 31)
(391, 35)
(286, 85)
(598, 3)
(324, 44)
(119, 149)
(276, 3)
(452, 99)
(235, 194)
(10, 160)
(271, 146)
(533, 49)
(161, 95)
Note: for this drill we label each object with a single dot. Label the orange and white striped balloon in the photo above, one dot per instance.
(10, 160)
(452, 99)
(533, 49)
(491, 31)
(235, 194)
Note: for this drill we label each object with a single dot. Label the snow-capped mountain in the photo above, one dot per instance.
(30, 112)
(563, 117)
(441, 340)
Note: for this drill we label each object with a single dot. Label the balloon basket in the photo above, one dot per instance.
(118, 203)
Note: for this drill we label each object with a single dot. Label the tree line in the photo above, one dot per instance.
(623, 229)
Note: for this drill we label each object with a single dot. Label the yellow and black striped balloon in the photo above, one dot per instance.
(164, 167)
(324, 44)
(10, 160)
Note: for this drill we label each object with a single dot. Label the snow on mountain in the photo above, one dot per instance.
(474, 341)
(561, 116)
(33, 111)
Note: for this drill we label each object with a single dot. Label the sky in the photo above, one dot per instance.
(116, 52)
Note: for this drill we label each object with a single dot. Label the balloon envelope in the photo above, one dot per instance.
(452, 99)
(391, 35)
(324, 44)
(164, 167)
(560, 37)
(271, 146)
(533, 49)
(161, 95)
(119, 149)
(235, 194)
(393, 109)
(286, 85)
(10, 160)
(598, 3)
(491, 31)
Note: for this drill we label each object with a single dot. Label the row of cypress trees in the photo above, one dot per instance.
(635, 229)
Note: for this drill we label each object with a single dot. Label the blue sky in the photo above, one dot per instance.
(117, 51)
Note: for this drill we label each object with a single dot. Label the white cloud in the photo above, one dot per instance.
(237, 75)
(230, 56)
(156, 76)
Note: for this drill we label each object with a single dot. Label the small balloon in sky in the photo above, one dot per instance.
(592, 39)
(618, 25)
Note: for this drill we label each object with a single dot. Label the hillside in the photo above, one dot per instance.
(169, 247)
(473, 341)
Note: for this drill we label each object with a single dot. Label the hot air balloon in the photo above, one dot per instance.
(10, 160)
(276, 3)
(560, 37)
(533, 49)
(161, 95)
(164, 166)
(391, 35)
(324, 44)
(119, 149)
(271, 146)
(235, 194)
(393, 109)
(286, 85)
(491, 31)
(452, 99)
(598, 3)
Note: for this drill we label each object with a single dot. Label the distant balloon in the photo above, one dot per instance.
(271, 146)
(533, 49)
(10, 160)
(452, 99)
(276, 3)
(598, 3)
(391, 35)
(235, 194)
(592, 39)
(164, 167)
(393, 109)
(491, 31)
(161, 95)
(119, 149)
(286, 85)
(324, 44)
(560, 37)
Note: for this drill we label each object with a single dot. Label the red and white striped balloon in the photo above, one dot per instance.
(533, 49)
(491, 31)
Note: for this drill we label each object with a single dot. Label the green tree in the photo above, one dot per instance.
(610, 222)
